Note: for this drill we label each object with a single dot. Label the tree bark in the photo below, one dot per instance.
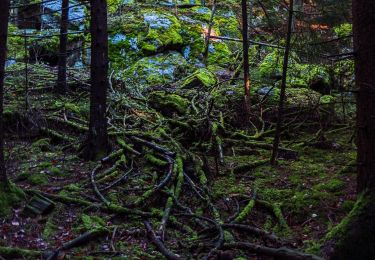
(97, 143)
(4, 15)
(245, 47)
(364, 49)
(276, 141)
(61, 86)
(354, 238)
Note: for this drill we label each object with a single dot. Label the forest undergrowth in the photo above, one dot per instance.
(187, 176)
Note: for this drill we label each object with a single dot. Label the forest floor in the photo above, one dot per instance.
(184, 169)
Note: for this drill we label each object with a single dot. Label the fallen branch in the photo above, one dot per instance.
(159, 244)
(82, 239)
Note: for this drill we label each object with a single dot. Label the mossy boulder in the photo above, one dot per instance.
(200, 78)
(163, 32)
(219, 54)
(157, 70)
(168, 104)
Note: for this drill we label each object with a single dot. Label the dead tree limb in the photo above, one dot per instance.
(159, 244)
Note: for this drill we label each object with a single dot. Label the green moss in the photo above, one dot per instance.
(38, 179)
(273, 194)
(338, 232)
(327, 99)
(201, 77)
(155, 161)
(156, 70)
(163, 33)
(228, 237)
(92, 222)
(227, 185)
(179, 169)
(348, 205)
(246, 211)
(42, 144)
(333, 185)
(282, 228)
(312, 247)
(219, 54)
(299, 74)
(305, 200)
(10, 196)
(49, 229)
(73, 187)
(54, 170)
(168, 103)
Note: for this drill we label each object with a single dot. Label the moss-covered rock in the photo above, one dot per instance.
(157, 70)
(219, 54)
(200, 78)
(163, 32)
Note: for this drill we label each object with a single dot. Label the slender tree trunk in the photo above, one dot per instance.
(246, 67)
(364, 48)
(280, 115)
(97, 144)
(209, 30)
(4, 15)
(61, 86)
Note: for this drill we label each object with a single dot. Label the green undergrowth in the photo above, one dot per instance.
(10, 197)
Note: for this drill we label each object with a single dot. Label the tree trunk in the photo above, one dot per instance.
(245, 47)
(97, 143)
(61, 86)
(4, 15)
(354, 238)
(364, 49)
(280, 115)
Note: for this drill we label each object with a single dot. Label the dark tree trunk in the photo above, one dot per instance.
(364, 48)
(355, 237)
(61, 86)
(246, 67)
(280, 115)
(97, 143)
(4, 15)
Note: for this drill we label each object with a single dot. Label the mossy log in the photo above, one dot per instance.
(76, 126)
(111, 208)
(56, 135)
(248, 167)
